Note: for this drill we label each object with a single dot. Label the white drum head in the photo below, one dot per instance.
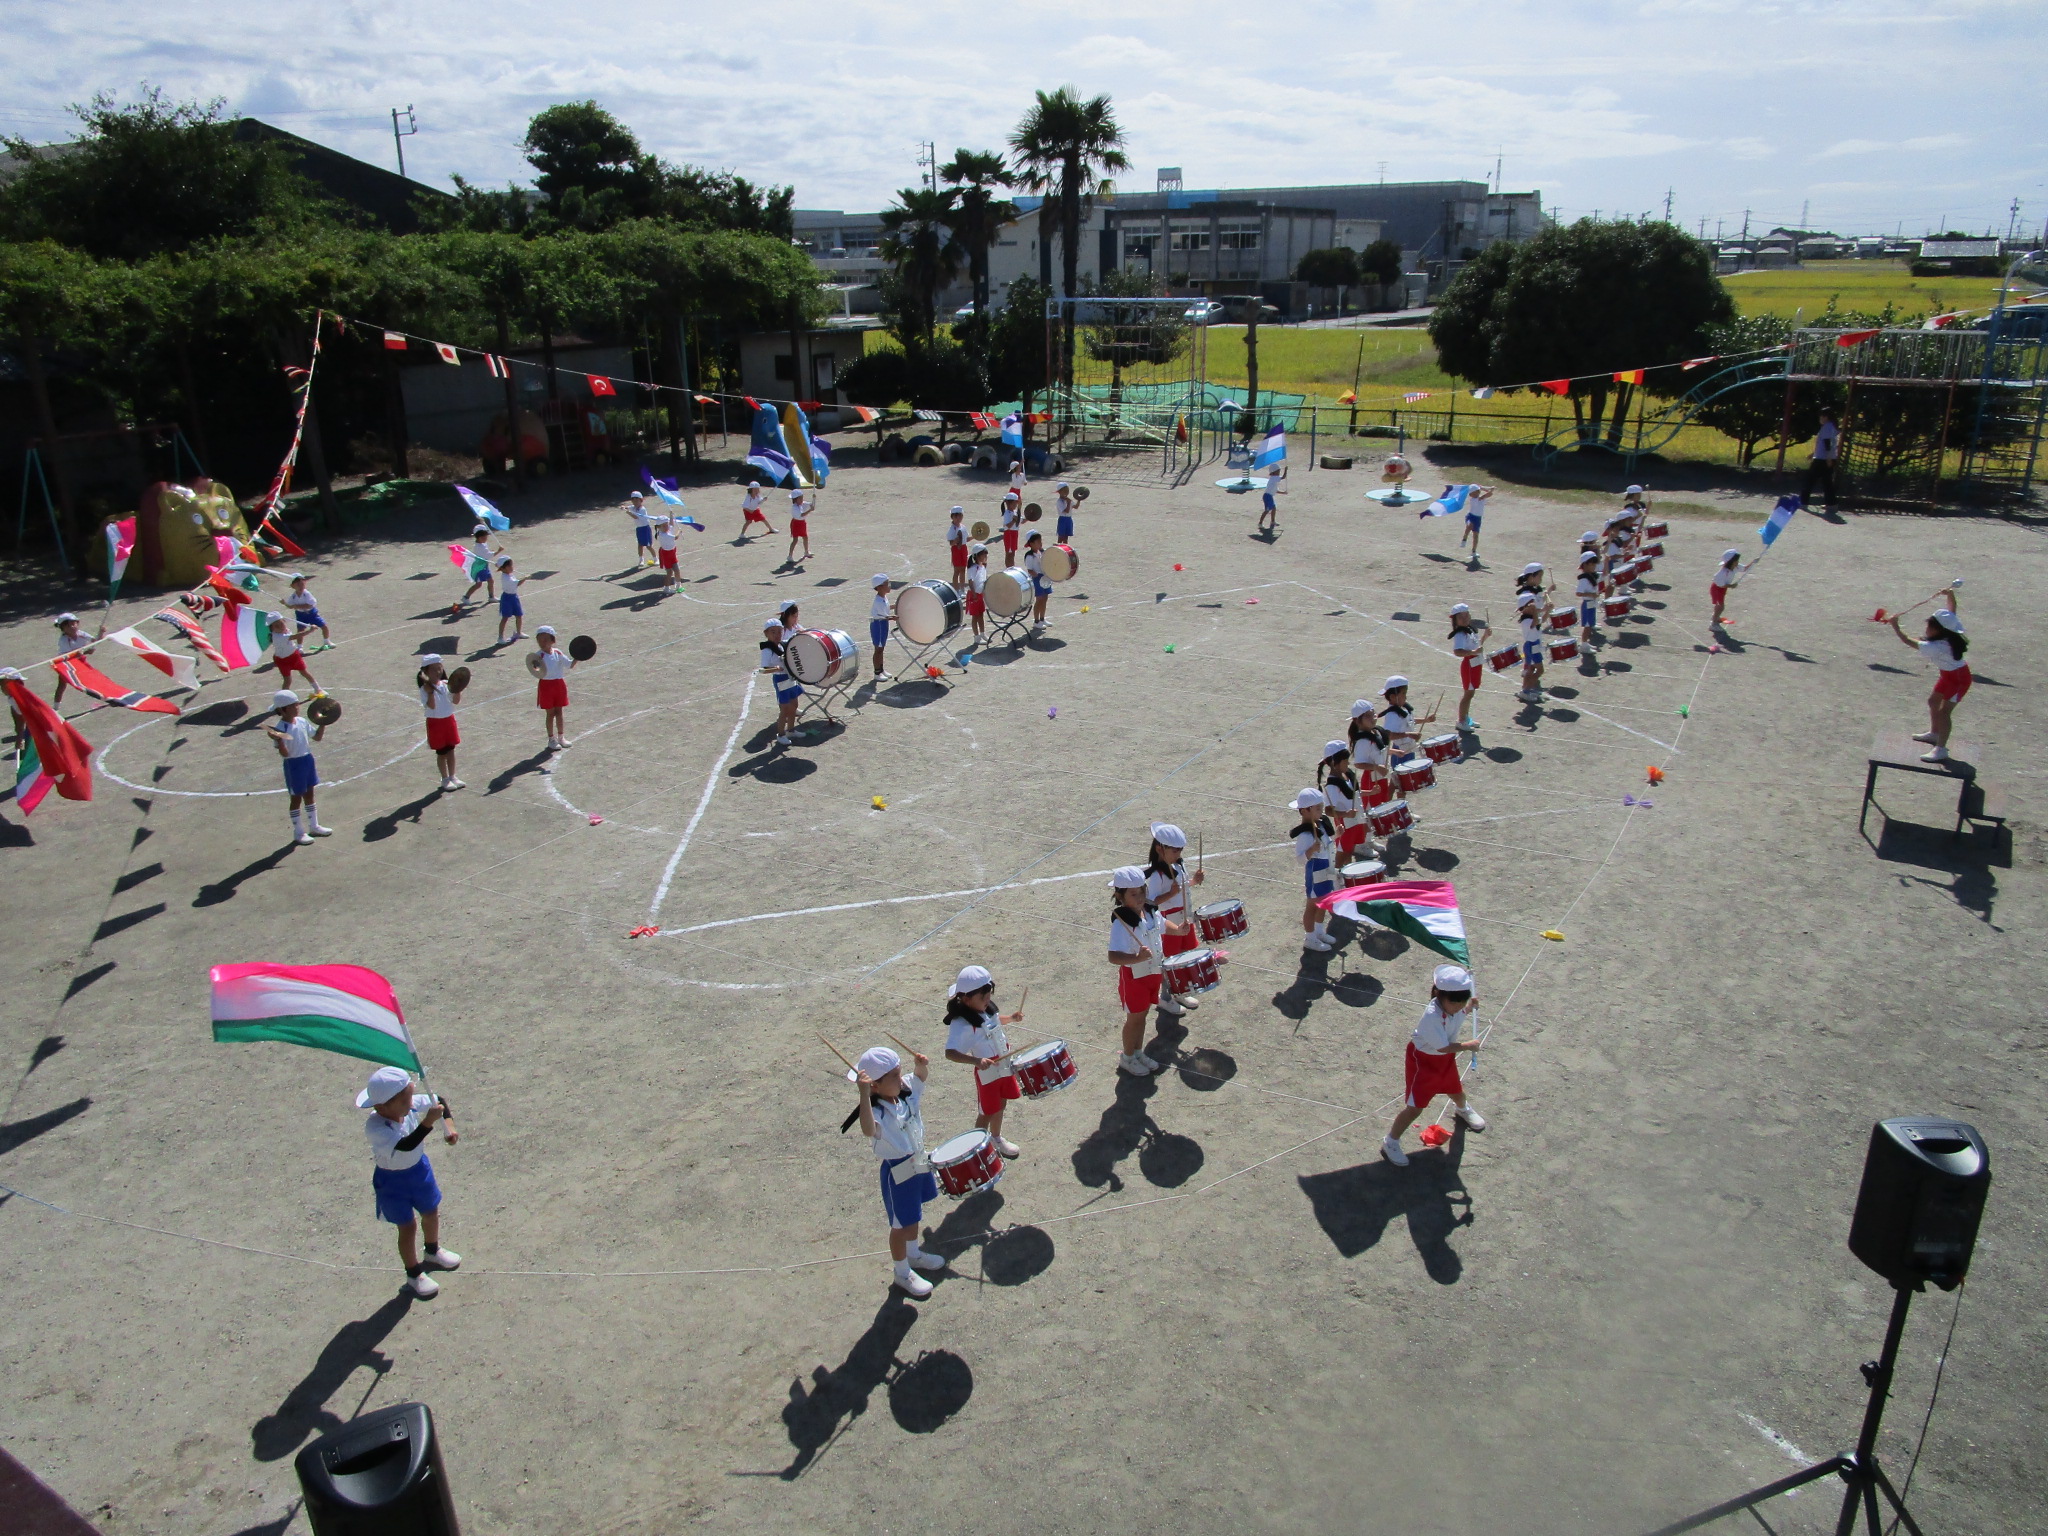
(807, 657)
(1037, 1053)
(920, 615)
(1364, 870)
(1059, 565)
(1008, 592)
(960, 1147)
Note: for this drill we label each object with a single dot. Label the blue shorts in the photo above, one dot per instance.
(479, 573)
(309, 618)
(509, 607)
(1316, 879)
(1269, 503)
(1586, 615)
(788, 691)
(643, 535)
(404, 1192)
(1472, 521)
(903, 1204)
(1065, 528)
(878, 633)
(1532, 653)
(300, 776)
(1041, 586)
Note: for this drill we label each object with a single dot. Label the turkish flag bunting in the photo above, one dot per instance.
(599, 385)
(65, 755)
(394, 340)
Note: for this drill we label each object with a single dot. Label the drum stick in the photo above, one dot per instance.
(839, 1053)
(899, 1044)
(1198, 853)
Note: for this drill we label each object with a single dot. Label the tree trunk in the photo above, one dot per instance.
(395, 385)
(188, 385)
(547, 355)
(689, 402)
(515, 460)
(1070, 262)
(1251, 367)
(1618, 422)
(46, 425)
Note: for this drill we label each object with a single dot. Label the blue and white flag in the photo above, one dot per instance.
(1450, 504)
(1013, 429)
(1272, 451)
(491, 516)
(821, 459)
(1774, 525)
(666, 490)
(772, 462)
(1484, 392)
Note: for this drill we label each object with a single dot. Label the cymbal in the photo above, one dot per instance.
(1081, 493)
(582, 647)
(533, 662)
(458, 680)
(1033, 512)
(322, 710)
(978, 532)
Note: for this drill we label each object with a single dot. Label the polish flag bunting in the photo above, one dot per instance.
(1939, 322)
(448, 353)
(346, 1009)
(394, 341)
(498, 367)
(1423, 910)
(1629, 376)
(92, 682)
(187, 626)
(701, 399)
(600, 385)
(53, 755)
(1557, 386)
(1698, 362)
(244, 636)
(1855, 338)
(183, 671)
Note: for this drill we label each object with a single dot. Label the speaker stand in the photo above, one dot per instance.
(1858, 1468)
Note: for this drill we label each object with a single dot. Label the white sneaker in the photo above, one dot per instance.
(1470, 1116)
(303, 839)
(1008, 1147)
(1316, 942)
(564, 744)
(1188, 1005)
(883, 677)
(442, 1258)
(912, 1284)
(1169, 1004)
(1938, 755)
(1147, 1062)
(423, 1285)
(785, 741)
(319, 831)
(930, 1261)
(455, 784)
(1137, 1065)
(1390, 1149)
(1926, 736)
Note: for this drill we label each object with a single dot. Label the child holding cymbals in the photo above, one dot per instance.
(439, 697)
(294, 736)
(891, 1118)
(552, 666)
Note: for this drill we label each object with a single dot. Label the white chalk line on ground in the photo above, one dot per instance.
(703, 802)
(100, 762)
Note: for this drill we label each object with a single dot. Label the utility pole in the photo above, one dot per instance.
(2012, 224)
(928, 163)
(1667, 203)
(1802, 214)
(1498, 156)
(1745, 223)
(400, 135)
(1383, 173)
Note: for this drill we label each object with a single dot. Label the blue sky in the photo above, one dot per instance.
(1872, 115)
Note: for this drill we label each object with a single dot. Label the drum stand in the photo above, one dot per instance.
(1008, 630)
(821, 699)
(918, 653)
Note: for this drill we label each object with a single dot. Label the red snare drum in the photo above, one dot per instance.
(1389, 819)
(1365, 872)
(1221, 920)
(1653, 551)
(1418, 773)
(1196, 971)
(1564, 648)
(1617, 607)
(1561, 618)
(1447, 748)
(1655, 529)
(1507, 656)
(967, 1163)
(1044, 1069)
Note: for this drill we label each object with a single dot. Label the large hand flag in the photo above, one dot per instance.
(1423, 910)
(120, 545)
(62, 758)
(1781, 514)
(244, 636)
(341, 1008)
(666, 490)
(93, 683)
(1450, 504)
(1013, 429)
(183, 671)
(490, 515)
(1272, 450)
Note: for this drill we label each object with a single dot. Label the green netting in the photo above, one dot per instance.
(1159, 407)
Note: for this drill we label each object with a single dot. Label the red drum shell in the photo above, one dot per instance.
(1374, 792)
(1655, 529)
(1617, 607)
(1561, 618)
(1062, 563)
(1564, 648)
(1195, 971)
(967, 1163)
(1389, 819)
(1653, 551)
(1417, 773)
(1507, 656)
(816, 657)
(1044, 1069)
(1221, 920)
(1447, 748)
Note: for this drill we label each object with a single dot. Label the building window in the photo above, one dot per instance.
(1141, 246)
(1238, 235)
(1188, 236)
(785, 366)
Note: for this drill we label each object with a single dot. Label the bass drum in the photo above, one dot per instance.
(1061, 563)
(928, 612)
(816, 657)
(1008, 592)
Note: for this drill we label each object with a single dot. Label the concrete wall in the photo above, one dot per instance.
(451, 408)
(767, 372)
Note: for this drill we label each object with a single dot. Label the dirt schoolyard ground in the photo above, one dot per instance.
(1197, 1303)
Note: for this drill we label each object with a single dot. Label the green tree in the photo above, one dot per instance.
(1016, 343)
(1068, 147)
(1754, 413)
(1380, 262)
(50, 297)
(978, 213)
(917, 240)
(1581, 302)
(591, 170)
(1336, 267)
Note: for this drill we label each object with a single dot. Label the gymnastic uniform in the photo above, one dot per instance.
(480, 561)
(305, 610)
(750, 505)
(1011, 514)
(1728, 576)
(1432, 1066)
(1137, 984)
(799, 522)
(1370, 759)
(1168, 894)
(787, 688)
(956, 547)
(1955, 678)
(509, 606)
(553, 692)
(289, 655)
(439, 702)
(643, 524)
(665, 543)
(300, 776)
(1341, 791)
(977, 583)
(1532, 638)
(1613, 552)
(403, 1178)
(1034, 564)
(1064, 528)
(980, 1035)
(878, 621)
(1589, 597)
(907, 1181)
(66, 644)
(1315, 849)
(1465, 645)
(1017, 484)
(1399, 724)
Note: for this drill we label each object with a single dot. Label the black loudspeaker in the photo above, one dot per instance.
(378, 1476)
(1924, 1182)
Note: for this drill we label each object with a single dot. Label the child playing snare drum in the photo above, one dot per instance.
(1529, 613)
(1315, 848)
(1136, 945)
(975, 1038)
(1169, 888)
(1467, 639)
(1340, 788)
(891, 1118)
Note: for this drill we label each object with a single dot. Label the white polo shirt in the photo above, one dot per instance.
(879, 608)
(980, 1040)
(1940, 653)
(554, 665)
(385, 1135)
(899, 1122)
(298, 737)
(1168, 893)
(439, 701)
(1122, 941)
(1434, 1032)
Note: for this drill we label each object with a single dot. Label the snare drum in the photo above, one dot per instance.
(1655, 529)
(1221, 920)
(1653, 551)
(819, 656)
(928, 612)
(1372, 792)
(1365, 872)
(1564, 648)
(967, 1163)
(1417, 773)
(1507, 656)
(1195, 971)
(1561, 618)
(1617, 607)
(1008, 592)
(1044, 1069)
(1391, 818)
(1061, 563)
(1447, 748)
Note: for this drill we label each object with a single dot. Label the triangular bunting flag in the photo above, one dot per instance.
(1629, 376)
(1557, 386)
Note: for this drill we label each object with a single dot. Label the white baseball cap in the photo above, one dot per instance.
(431, 659)
(1458, 608)
(1730, 554)
(385, 1083)
(65, 618)
(878, 580)
(1947, 620)
(796, 495)
(771, 624)
(1589, 555)
(1453, 978)
(958, 512)
(788, 607)
(1310, 797)
(753, 485)
(1394, 684)
(976, 549)
(1128, 878)
(1167, 834)
(1634, 490)
(1063, 485)
(972, 978)
(1589, 537)
(1363, 708)
(1528, 600)
(546, 629)
(1533, 568)
(1333, 748)
(284, 698)
(878, 1061)
(639, 496)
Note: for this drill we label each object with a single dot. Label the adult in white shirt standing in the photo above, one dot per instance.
(1827, 452)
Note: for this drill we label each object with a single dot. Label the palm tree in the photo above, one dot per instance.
(1067, 145)
(980, 213)
(918, 242)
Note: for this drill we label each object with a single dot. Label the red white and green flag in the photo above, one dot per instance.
(120, 545)
(1423, 910)
(244, 636)
(53, 753)
(347, 1009)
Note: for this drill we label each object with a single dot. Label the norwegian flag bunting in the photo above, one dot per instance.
(499, 368)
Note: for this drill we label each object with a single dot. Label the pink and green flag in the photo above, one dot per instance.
(1423, 910)
(30, 782)
(341, 1008)
(244, 636)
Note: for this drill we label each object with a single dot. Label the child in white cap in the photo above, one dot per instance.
(1943, 643)
(1468, 638)
(294, 736)
(800, 511)
(1339, 784)
(665, 540)
(1170, 889)
(305, 611)
(481, 553)
(750, 510)
(1315, 849)
(643, 526)
(1034, 567)
(891, 1118)
(1372, 756)
(1475, 513)
(1432, 1066)
(789, 693)
(1399, 720)
(71, 636)
(977, 589)
(287, 652)
(1531, 580)
(1063, 506)
(1136, 947)
(1017, 479)
(878, 624)
(975, 1038)
(956, 542)
(407, 1195)
(552, 666)
(439, 698)
(510, 608)
(1011, 518)
(1588, 593)
(1730, 571)
(1529, 615)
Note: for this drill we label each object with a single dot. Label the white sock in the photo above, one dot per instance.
(295, 821)
(912, 1250)
(903, 1265)
(1322, 930)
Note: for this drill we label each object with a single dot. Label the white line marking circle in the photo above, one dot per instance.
(100, 762)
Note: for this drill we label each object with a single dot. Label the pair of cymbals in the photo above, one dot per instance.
(458, 680)
(322, 710)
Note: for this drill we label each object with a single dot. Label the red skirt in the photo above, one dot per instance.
(668, 559)
(799, 528)
(553, 693)
(1353, 835)
(1471, 671)
(1137, 993)
(1178, 943)
(977, 605)
(1430, 1075)
(296, 662)
(995, 1095)
(441, 733)
(1953, 683)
